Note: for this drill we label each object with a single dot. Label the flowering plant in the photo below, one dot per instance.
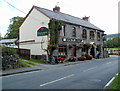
(82, 58)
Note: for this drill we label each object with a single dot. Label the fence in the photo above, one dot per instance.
(23, 53)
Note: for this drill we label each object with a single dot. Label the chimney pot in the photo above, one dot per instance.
(86, 18)
(56, 9)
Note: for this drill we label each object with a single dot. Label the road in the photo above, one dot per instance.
(94, 74)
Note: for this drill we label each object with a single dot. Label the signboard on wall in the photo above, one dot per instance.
(42, 31)
(71, 40)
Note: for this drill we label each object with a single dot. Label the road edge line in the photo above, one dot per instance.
(110, 81)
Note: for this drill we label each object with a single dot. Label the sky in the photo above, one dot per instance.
(103, 13)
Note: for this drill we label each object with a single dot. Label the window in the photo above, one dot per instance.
(92, 35)
(63, 31)
(84, 34)
(98, 36)
(62, 50)
(74, 32)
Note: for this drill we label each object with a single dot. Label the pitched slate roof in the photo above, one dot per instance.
(66, 18)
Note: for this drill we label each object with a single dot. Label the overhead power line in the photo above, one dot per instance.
(14, 7)
(21, 11)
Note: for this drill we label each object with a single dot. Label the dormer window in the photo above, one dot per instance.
(74, 32)
(92, 35)
(84, 34)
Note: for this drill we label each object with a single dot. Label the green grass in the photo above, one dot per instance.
(24, 58)
(115, 48)
(37, 61)
(116, 83)
(27, 63)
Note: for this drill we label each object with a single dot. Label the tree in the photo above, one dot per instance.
(13, 29)
(114, 42)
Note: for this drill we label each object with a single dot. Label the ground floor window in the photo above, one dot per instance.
(62, 50)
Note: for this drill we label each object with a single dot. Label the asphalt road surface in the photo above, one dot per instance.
(94, 74)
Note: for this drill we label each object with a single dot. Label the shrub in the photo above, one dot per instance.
(6, 51)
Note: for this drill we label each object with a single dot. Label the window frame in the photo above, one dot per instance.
(98, 36)
(84, 34)
(92, 35)
(74, 32)
(63, 31)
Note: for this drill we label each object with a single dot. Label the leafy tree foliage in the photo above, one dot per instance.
(114, 42)
(13, 29)
(55, 27)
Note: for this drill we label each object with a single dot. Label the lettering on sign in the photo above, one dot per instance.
(71, 40)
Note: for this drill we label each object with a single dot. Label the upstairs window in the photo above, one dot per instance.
(98, 36)
(84, 34)
(74, 32)
(92, 35)
(63, 31)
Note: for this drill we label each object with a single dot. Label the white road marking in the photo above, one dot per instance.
(110, 81)
(89, 69)
(109, 63)
(56, 80)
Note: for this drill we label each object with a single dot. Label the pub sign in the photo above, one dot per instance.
(42, 31)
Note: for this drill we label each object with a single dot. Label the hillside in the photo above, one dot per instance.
(113, 35)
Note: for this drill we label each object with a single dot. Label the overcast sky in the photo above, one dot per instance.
(103, 13)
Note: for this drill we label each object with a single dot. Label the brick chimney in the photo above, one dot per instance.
(86, 18)
(56, 9)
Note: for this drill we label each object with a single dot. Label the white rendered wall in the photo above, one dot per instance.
(28, 31)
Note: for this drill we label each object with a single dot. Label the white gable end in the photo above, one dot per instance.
(28, 31)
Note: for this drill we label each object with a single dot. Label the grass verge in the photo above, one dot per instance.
(115, 85)
(38, 61)
(27, 63)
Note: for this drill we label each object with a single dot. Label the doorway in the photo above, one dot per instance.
(74, 51)
(92, 52)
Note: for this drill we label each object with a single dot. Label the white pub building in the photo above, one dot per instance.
(84, 37)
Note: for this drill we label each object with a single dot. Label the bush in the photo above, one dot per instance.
(9, 57)
(6, 51)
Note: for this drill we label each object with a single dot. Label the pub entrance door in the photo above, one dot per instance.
(74, 51)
